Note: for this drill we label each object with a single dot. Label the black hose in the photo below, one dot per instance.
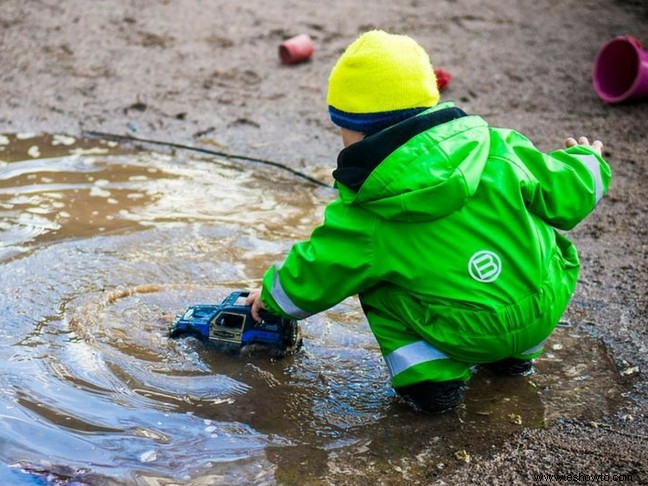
(130, 138)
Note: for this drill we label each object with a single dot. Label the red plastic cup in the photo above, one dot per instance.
(443, 78)
(296, 49)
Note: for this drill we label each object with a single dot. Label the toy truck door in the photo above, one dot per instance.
(227, 327)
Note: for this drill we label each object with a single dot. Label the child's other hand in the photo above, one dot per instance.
(597, 145)
(254, 299)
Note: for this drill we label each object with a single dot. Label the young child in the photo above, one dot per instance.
(445, 227)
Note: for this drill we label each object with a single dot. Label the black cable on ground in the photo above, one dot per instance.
(131, 138)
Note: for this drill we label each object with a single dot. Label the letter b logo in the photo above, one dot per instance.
(485, 266)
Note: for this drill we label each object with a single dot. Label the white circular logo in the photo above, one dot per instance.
(485, 266)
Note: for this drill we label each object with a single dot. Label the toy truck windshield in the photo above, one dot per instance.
(198, 312)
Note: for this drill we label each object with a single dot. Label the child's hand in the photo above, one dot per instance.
(254, 299)
(597, 145)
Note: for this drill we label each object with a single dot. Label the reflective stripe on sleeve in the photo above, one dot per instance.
(283, 301)
(410, 355)
(594, 167)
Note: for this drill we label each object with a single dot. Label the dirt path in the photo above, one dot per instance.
(207, 73)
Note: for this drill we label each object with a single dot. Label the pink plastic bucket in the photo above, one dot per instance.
(621, 70)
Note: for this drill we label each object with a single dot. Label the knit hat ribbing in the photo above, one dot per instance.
(379, 80)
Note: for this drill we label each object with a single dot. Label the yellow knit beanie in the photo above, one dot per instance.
(379, 80)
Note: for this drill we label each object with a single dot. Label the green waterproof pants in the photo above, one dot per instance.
(447, 342)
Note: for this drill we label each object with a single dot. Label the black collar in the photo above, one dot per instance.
(356, 162)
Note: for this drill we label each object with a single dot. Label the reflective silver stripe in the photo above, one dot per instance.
(410, 355)
(594, 167)
(280, 297)
(534, 349)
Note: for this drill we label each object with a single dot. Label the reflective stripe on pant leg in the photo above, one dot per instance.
(538, 348)
(411, 355)
(411, 359)
(531, 353)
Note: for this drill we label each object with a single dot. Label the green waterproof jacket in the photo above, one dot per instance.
(443, 219)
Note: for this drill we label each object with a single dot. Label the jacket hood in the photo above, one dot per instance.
(421, 169)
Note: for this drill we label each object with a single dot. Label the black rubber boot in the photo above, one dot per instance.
(434, 397)
(512, 367)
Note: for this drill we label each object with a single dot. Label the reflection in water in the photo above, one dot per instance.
(99, 249)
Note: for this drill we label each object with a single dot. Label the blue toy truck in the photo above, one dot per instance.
(231, 323)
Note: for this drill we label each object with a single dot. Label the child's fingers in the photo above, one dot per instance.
(596, 144)
(570, 142)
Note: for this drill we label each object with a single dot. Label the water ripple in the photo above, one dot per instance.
(100, 251)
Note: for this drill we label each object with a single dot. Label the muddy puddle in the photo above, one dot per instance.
(100, 247)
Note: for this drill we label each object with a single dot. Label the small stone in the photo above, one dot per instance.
(515, 418)
(630, 371)
(34, 151)
(596, 425)
(63, 140)
(485, 413)
(462, 455)
(148, 456)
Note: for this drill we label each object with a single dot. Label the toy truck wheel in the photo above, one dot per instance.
(185, 333)
(292, 338)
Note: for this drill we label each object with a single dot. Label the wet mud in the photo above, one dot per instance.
(103, 246)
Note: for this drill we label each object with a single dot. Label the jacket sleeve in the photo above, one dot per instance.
(336, 262)
(565, 185)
